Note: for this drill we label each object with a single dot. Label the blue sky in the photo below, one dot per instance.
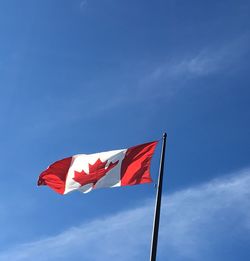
(90, 76)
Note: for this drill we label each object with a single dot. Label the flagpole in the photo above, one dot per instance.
(158, 202)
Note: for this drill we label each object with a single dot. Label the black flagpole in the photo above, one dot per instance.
(158, 202)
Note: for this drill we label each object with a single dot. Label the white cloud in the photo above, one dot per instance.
(202, 64)
(209, 60)
(198, 223)
(140, 85)
(83, 4)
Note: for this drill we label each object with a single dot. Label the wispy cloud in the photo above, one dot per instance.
(206, 61)
(199, 64)
(83, 4)
(198, 223)
(140, 85)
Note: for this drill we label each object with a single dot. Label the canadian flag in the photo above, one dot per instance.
(115, 168)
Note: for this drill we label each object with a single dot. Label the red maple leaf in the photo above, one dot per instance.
(96, 172)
